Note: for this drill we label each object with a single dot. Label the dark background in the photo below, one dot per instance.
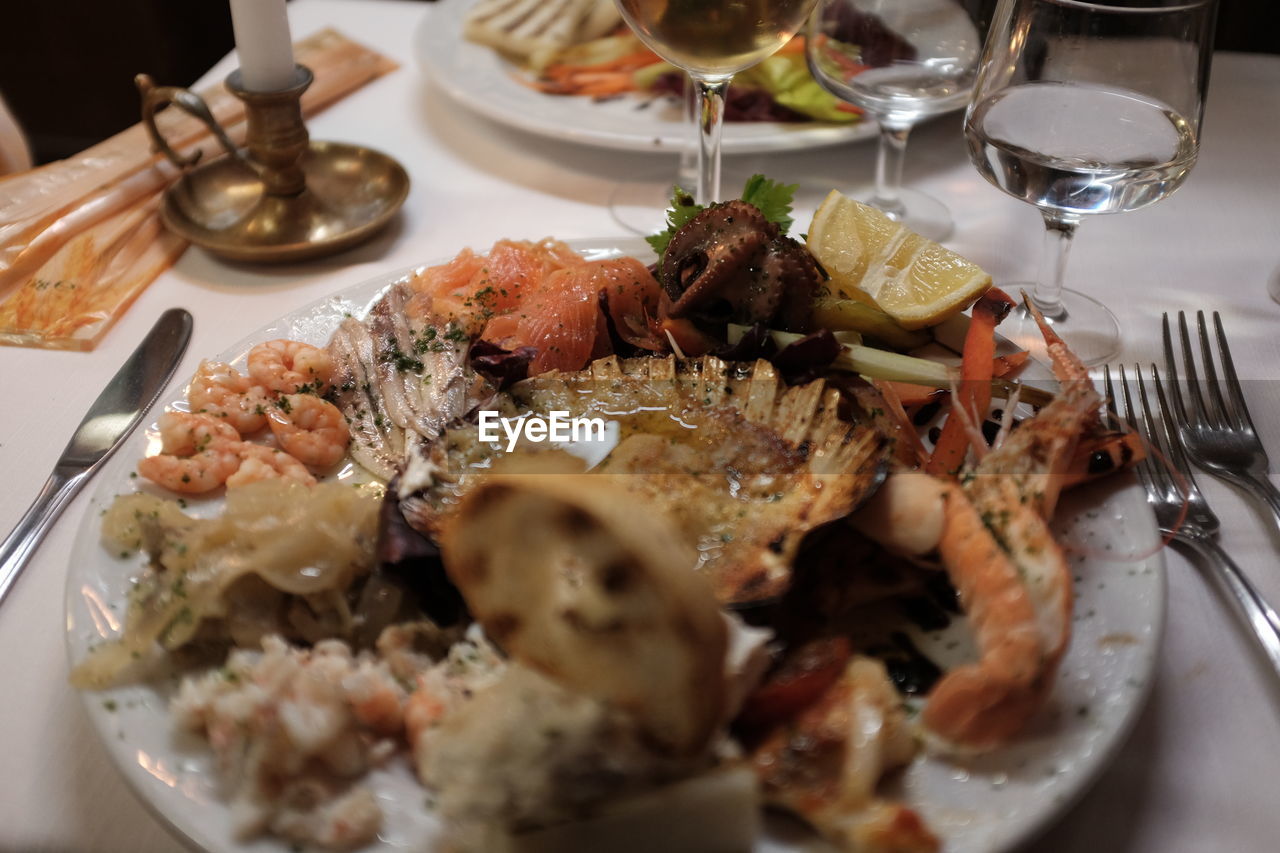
(67, 66)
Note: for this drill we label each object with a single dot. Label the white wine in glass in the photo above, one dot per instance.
(712, 40)
(1085, 108)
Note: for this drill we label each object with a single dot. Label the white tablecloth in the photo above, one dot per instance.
(1198, 774)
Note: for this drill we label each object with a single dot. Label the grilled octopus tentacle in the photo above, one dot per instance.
(729, 263)
(710, 251)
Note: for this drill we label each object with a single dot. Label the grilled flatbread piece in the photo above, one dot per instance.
(527, 30)
(571, 577)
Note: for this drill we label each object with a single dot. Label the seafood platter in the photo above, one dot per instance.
(830, 566)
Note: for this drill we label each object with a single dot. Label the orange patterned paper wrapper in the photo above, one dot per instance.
(82, 238)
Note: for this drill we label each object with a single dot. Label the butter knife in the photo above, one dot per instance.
(109, 421)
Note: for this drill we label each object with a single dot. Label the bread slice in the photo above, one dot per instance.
(600, 20)
(529, 31)
(572, 578)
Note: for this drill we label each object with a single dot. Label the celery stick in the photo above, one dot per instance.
(885, 364)
(872, 363)
(951, 332)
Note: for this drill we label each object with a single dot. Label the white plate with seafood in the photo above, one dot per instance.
(477, 78)
(982, 805)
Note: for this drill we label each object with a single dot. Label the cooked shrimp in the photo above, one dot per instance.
(199, 453)
(254, 462)
(222, 391)
(288, 367)
(312, 430)
(376, 704)
(1014, 490)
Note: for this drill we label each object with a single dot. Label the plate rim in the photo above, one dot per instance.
(189, 832)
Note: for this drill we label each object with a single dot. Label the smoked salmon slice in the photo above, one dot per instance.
(559, 319)
(633, 296)
(544, 295)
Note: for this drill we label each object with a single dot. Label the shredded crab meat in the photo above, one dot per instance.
(291, 731)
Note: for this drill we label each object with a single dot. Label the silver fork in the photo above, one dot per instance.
(1198, 530)
(1215, 428)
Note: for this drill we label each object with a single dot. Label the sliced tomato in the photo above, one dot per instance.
(804, 675)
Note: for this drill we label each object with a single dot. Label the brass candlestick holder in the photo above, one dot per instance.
(281, 198)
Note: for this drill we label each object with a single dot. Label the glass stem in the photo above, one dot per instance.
(710, 125)
(687, 172)
(1059, 228)
(889, 158)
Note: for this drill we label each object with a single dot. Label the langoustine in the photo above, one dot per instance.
(993, 536)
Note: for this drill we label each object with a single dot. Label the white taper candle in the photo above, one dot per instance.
(263, 43)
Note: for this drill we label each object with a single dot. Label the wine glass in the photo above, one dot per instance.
(712, 40)
(1088, 108)
(639, 204)
(900, 61)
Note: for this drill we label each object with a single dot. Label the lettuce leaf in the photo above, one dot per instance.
(788, 81)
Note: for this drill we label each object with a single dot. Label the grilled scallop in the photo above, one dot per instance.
(744, 464)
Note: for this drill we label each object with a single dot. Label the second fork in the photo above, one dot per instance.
(1213, 419)
(1182, 512)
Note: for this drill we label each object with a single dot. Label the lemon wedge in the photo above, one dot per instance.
(874, 259)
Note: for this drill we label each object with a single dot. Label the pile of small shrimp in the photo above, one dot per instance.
(206, 447)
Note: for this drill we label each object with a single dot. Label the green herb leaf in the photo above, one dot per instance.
(683, 208)
(772, 198)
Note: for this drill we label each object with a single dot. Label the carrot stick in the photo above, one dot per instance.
(977, 366)
(910, 394)
(1006, 364)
